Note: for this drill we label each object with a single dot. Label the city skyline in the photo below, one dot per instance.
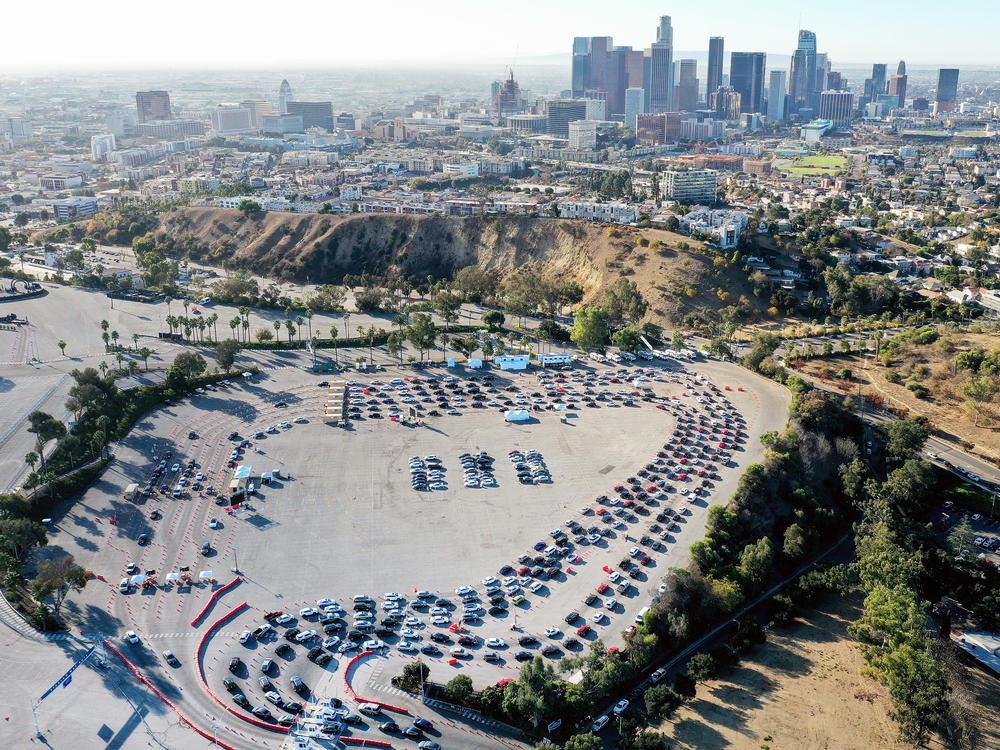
(523, 32)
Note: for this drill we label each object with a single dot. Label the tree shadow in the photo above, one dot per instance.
(697, 734)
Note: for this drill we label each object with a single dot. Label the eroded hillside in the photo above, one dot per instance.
(319, 248)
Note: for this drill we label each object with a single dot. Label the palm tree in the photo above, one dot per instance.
(347, 319)
(234, 323)
(246, 329)
(400, 321)
(135, 340)
(145, 353)
(213, 319)
(119, 358)
(299, 320)
(107, 339)
(31, 458)
(336, 349)
(105, 325)
(444, 347)
(168, 299)
(62, 346)
(309, 317)
(245, 314)
(277, 328)
(371, 342)
(290, 327)
(187, 304)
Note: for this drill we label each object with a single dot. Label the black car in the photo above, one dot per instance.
(143, 540)
(551, 650)
(524, 656)
(527, 640)
(294, 706)
(241, 700)
(229, 685)
(324, 659)
(265, 684)
(496, 609)
(430, 650)
(291, 633)
(282, 648)
(389, 726)
(234, 664)
(314, 652)
(572, 617)
(440, 638)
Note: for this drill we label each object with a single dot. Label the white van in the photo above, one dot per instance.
(640, 618)
(124, 586)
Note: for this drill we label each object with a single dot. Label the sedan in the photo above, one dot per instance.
(496, 643)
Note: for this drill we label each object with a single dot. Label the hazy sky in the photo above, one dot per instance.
(61, 33)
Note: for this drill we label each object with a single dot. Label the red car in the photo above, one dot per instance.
(583, 630)
(601, 511)
(523, 571)
(619, 488)
(603, 588)
(661, 406)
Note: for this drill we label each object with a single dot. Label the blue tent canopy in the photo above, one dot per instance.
(517, 415)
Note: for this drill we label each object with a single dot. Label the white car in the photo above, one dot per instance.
(614, 576)
(621, 706)
(305, 635)
(611, 603)
(332, 642)
(535, 587)
(406, 647)
(284, 619)
(375, 644)
(440, 621)
(325, 602)
(244, 636)
(285, 425)
(598, 725)
(458, 652)
(213, 523)
(551, 632)
(132, 638)
(300, 420)
(308, 612)
(271, 429)
(598, 617)
(463, 590)
(496, 643)
(410, 634)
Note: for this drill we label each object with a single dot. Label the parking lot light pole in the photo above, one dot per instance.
(236, 560)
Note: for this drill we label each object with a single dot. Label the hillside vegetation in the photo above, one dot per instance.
(675, 278)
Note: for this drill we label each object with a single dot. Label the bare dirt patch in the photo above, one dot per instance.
(803, 689)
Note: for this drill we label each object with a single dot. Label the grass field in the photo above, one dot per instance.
(814, 165)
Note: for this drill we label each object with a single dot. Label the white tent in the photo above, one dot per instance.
(206, 575)
(173, 576)
(138, 580)
(517, 415)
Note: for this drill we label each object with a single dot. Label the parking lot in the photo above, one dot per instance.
(342, 517)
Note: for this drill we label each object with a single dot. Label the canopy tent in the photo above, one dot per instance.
(206, 575)
(173, 576)
(517, 415)
(138, 580)
(243, 471)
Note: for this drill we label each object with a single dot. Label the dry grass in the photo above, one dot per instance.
(803, 689)
(946, 406)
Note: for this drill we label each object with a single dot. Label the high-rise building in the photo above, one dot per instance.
(716, 46)
(835, 81)
(878, 78)
(657, 129)
(665, 32)
(583, 135)
(746, 77)
(901, 68)
(689, 185)
(897, 87)
(837, 107)
(258, 108)
(314, 114)
(776, 95)
(284, 96)
(152, 105)
(657, 74)
(686, 90)
(802, 75)
(231, 120)
(101, 146)
(507, 99)
(635, 99)
(947, 90)
(580, 75)
(725, 103)
(561, 112)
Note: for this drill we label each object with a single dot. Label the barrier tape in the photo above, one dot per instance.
(139, 676)
(212, 599)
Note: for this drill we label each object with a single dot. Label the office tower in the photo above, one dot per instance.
(152, 105)
(689, 185)
(776, 95)
(284, 96)
(665, 32)
(878, 78)
(657, 75)
(657, 129)
(686, 90)
(596, 108)
(897, 88)
(561, 112)
(314, 114)
(580, 76)
(901, 68)
(835, 81)
(635, 100)
(802, 75)
(947, 90)
(232, 120)
(617, 78)
(600, 48)
(716, 45)
(725, 103)
(507, 99)
(257, 109)
(837, 107)
(746, 77)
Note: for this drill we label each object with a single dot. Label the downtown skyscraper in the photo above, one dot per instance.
(716, 47)
(802, 76)
(746, 77)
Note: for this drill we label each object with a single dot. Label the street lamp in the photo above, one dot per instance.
(236, 560)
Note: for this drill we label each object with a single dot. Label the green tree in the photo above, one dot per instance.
(627, 339)
(756, 560)
(18, 536)
(590, 329)
(44, 427)
(22, 219)
(980, 389)
(961, 538)
(677, 340)
(494, 319)
(422, 333)
(459, 690)
(701, 667)
(413, 677)
(248, 207)
(225, 353)
(186, 365)
(447, 306)
(56, 578)
(584, 742)
(661, 702)
(623, 302)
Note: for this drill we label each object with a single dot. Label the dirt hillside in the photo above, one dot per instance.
(676, 279)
